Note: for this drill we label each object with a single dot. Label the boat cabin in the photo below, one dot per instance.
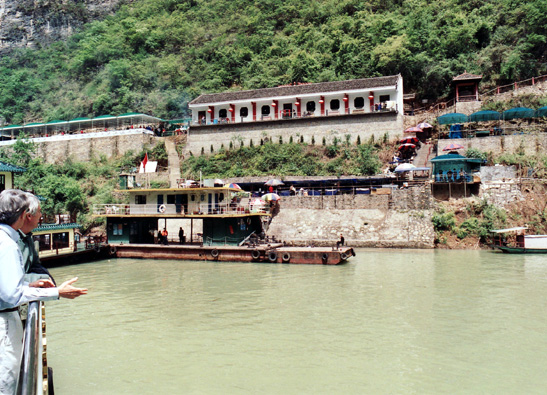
(227, 214)
(515, 240)
(52, 240)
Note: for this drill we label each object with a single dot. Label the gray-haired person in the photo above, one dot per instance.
(14, 290)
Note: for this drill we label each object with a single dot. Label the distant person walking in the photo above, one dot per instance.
(164, 235)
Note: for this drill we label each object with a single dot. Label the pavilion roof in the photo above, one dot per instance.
(11, 168)
(467, 77)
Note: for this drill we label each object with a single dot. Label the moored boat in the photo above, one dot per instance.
(231, 226)
(516, 241)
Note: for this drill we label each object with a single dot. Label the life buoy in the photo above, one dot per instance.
(325, 257)
(272, 256)
(286, 257)
(255, 254)
(162, 208)
(343, 256)
(112, 250)
(214, 253)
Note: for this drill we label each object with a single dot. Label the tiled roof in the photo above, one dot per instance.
(12, 168)
(467, 76)
(295, 90)
(55, 227)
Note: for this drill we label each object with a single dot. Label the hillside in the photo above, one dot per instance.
(154, 56)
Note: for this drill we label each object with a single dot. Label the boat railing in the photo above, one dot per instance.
(179, 209)
(31, 363)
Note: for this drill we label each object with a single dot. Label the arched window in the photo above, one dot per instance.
(223, 113)
(243, 111)
(335, 104)
(359, 102)
(265, 110)
(310, 106)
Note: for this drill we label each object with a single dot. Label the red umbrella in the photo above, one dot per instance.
(409, 140)
(406, 146)
(453, 147)
(413, 129)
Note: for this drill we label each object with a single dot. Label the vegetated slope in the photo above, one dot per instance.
(155, 55)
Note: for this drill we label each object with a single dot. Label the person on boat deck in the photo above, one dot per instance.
(164, 235)
(340, 242)
(33, 267)
(15, 291)
(181, 235)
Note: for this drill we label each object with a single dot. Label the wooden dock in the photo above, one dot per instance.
(266, 253)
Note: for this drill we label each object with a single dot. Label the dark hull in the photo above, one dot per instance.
(82, 256)
(519, 250)
(273, 253)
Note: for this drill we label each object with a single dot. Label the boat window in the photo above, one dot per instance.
(265, 110)
(117, 230)
(221, 197)
(202, 198)
(60, 240)
(243, 112)
(222, 113)
(359, 102)
(335, 104)
(384, 98)
(170, 199)
(44, 242)
(140, 199)
(193, 198)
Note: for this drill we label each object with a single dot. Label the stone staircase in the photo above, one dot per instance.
(173, 159)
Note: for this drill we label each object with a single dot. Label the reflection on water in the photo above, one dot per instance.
(390, 321)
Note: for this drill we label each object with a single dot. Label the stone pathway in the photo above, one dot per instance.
(174, 161)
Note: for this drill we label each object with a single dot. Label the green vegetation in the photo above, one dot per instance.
(73, 187)
(476, 222)
(154, 56)
(286, 159)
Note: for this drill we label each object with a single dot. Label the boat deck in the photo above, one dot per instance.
(267, 253)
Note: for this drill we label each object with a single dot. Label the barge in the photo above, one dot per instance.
(225, 225)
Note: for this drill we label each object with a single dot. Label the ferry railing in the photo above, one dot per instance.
(31, 367)
(203, 208)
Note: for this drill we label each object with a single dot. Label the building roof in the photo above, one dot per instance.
(47, 227)
(11, 168)
(455, 158)
(467, 77)
(300, 89)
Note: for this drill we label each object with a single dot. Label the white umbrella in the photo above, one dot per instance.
(274, 182)
(404, 167)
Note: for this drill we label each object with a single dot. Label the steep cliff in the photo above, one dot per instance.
(34, 23)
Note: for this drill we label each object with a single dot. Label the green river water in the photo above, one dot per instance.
(387, 322)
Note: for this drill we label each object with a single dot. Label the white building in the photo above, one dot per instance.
(366, 95)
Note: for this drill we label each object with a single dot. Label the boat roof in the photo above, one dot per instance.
(49, 227)
(516, 229)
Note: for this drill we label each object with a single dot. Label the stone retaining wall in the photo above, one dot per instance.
(529, 143)
(363, 125)
(83, 150)
(400, 220)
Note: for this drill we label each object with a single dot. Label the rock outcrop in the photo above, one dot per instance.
(35, 23)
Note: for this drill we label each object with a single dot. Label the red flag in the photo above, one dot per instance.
(145, 161)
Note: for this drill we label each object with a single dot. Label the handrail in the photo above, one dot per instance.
(31, 369)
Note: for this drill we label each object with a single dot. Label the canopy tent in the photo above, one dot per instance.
(541, 112)
(452, 118)
(518, 112)
(485, 115)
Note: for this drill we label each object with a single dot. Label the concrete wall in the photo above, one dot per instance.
(400, 220)
(363, 125)
(83, 150)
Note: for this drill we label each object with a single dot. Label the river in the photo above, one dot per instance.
(389, 321)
